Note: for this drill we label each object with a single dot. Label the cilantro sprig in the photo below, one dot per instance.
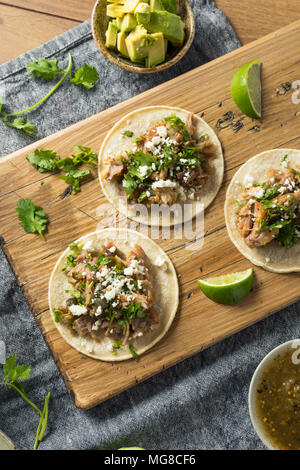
(13, 376)
(175, 122)
(43, 160)
(127, 133)
(74, 177)
(133, 352)
(85, 76)
(102, 260)
(48, 161)
(32, 218)
(43, 68)
(279, 217)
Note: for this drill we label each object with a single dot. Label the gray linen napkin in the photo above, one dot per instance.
(198, 404)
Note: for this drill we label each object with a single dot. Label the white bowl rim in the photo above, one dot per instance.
(8, 442)
(256, 376)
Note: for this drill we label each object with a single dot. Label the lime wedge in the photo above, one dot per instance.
(228, 289)
(246, 89)
(131, 448)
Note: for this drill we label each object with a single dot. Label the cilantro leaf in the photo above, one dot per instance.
(22, 125)
(9, 366)
(177, 123)
(75, 247)
(174, 120)
(117, 344)
(133, 352)
(288, 236)
(14, 372)
(1, 104)
(74, 177)
(71, 262)
(32, 218)
(85, 155)
(86, 76)
(269, 193)
(43, 68)
(102, 259)
(129, 184)
(127, 133)
(76, 294)
(43, 160)
(57, 315)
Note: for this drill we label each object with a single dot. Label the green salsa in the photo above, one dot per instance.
(278, 401)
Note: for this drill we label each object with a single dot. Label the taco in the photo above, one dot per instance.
(113, 294)
(262, 210)
(162, 156)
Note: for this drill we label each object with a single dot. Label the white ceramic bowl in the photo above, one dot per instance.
(6, 443)
(293, 344)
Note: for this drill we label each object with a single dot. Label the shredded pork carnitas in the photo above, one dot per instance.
(113, 294)
(167, 165)
(270, 210)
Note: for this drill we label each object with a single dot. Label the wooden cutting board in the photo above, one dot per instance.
(200, 322)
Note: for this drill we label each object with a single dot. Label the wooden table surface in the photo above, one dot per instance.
(25, 24)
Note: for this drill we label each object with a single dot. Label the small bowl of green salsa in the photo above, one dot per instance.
(274, 398)
(143, 36)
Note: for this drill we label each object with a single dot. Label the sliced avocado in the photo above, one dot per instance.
(170, 25)
(111, 35)
(142, 8)
(157, 52)
(121, 44)
(156, 5)
(143, 18)
(170, 5)
(128, 23)
(138, 43)
(115, 11)
(116, 23)
(130, 5)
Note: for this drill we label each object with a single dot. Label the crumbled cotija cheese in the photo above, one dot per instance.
(156, 140)
(149, 146)
(89, 246)
(143, 170)
(162, 131)
(96, 325)
(164, 184)
(98, 311)
(77, 310)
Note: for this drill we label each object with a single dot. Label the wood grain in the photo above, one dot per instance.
(199, 322)
(22, 30)
(79, 10)
(253, 19)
